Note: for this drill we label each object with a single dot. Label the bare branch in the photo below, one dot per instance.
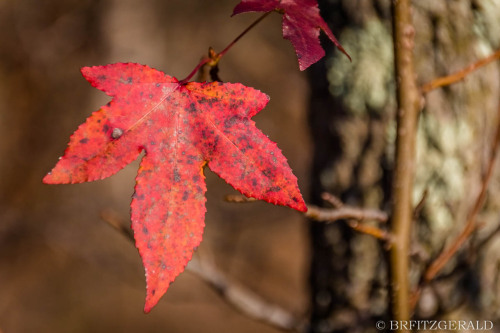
(332, 200)
(242, 299)
(371, 230)
(238, 198)
(458, 76)
(408, 98)
(345, 213)
(339, 212)
(471, 225)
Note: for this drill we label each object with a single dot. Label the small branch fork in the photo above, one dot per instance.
(246, 301)
(353, 215)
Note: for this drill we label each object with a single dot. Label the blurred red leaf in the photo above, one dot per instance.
(301, 26)
(181, 127)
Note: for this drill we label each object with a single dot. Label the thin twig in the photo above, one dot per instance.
(332, 200)
(344, 213)
(437, 265)
(470, 226)
(370, 230)
(340, 212)
(408, 98)
(460, 75)
(242, 299)
(238, 198)
(418, 208)
(112, 218)
(486, 240)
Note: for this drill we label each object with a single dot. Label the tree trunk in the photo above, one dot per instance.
(352, 112)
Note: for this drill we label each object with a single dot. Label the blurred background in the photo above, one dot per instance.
(62, 269)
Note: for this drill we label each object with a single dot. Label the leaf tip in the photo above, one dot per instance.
(341, 49)
(152, 298)
(47, 178)
(301, 206)
(148, 308)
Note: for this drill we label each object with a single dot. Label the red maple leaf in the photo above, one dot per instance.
(301, 26)
(181, 127)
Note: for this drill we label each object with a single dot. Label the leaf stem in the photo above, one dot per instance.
(214, 58)
(250, 27)
(194, 71)
(408, 97)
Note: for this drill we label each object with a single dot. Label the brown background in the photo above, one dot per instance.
(62, 269)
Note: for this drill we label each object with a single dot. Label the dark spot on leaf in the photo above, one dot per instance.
(192, 107)
(105, 128)
(129, 80)
(101, 77)
(196, 178)
(274, 189)
(145, 230)
(84, 140)
(177, 177)
(158, 84)
(153, 292)
(268, 173)
(138, 197)
(254, 182)
(185, 196)
(229, 122)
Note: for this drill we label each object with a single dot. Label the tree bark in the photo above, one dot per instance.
(352, 112)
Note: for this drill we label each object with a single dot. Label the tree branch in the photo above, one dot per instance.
(408, 97)
(344, 213)
(339, 212)
(242, 299)
(471, 225)
(460, 75)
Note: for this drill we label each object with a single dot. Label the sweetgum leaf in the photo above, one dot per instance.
(301, 26)
(181, 127)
